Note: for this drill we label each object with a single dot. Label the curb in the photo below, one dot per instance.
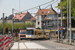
(10, 46)
(65, 43)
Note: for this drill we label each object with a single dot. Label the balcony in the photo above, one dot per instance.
(42, 19)
(52, 27)
(49, 23)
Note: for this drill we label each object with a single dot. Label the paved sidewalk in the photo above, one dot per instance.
(59, 44)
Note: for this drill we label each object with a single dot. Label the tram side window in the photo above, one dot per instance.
(30, 32)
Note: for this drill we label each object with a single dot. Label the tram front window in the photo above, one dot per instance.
(29, 32)
(22, 32)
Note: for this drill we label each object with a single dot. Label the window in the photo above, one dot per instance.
(35, 17)
(30, 32)
(38, 23)
(42, 15)
(38, 17)
(48, 22)
(42, 12)
(51, 16)
(22, 32)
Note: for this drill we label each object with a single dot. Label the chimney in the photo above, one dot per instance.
(39, 8)
(21, 12)
(51, 7)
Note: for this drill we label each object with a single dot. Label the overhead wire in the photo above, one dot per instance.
(47, 6)
(38, 6)
(50, 4)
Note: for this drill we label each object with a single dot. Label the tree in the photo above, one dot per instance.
(63, 4)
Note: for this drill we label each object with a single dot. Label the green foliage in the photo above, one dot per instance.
(16, 25)
(63, 4)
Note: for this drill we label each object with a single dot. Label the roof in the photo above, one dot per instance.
(10, 17)
(44, 12)
(20, 16)
(33, 18)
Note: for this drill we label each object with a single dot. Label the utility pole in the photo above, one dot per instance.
(13, 24)
(70, 21)
(3, 29)
(67, 20)
(3, 23)
(58, 26)
(61, 23)
(19, 5)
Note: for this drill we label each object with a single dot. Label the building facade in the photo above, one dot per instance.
(46, 19)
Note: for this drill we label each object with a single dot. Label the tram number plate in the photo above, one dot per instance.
(28, 36)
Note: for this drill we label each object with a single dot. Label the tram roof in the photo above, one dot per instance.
(30, 28)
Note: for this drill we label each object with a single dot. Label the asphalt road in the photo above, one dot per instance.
(39, 45)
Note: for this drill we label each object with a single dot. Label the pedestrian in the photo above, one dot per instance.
(16, 36)
(9, 33)
(50, 37)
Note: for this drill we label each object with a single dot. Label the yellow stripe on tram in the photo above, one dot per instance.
(37, 33)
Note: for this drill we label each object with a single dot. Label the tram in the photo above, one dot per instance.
(33, 33)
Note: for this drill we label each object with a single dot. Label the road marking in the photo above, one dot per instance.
(32, 45)
(22, 46)
(25, 45)
(18, 45)
(15, 46)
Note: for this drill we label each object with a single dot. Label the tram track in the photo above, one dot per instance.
(23, 41)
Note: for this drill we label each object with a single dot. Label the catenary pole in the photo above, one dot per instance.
(3, 29)
(19, 5)
(70, 21)
(13, 24)
(58, 26)
(61, 22)
(67, 20)
(3, 23)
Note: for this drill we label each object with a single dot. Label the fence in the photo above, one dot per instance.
(5, 42)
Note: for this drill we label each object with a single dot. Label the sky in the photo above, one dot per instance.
(21, 5)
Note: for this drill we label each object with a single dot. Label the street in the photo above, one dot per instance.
(39, 45)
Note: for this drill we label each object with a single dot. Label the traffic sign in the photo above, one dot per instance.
(60, 28)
